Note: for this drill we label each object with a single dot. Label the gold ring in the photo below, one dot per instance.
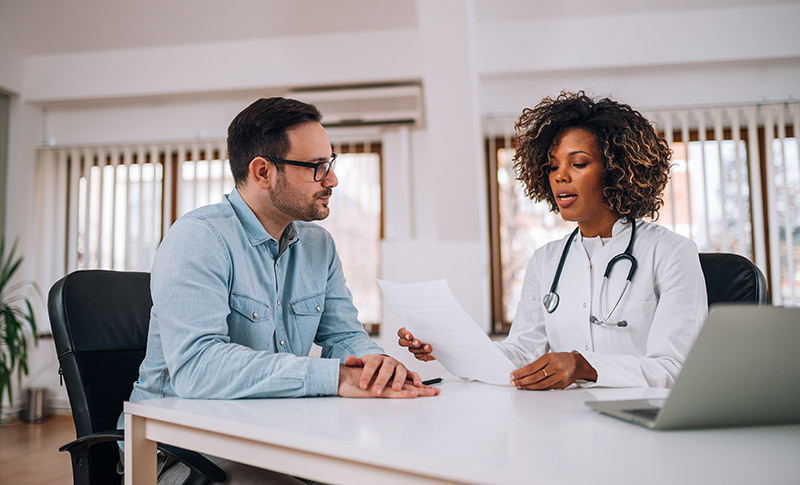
(545, 372)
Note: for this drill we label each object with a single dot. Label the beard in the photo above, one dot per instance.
(294, 204)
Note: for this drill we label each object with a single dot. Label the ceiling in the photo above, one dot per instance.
(61, 26)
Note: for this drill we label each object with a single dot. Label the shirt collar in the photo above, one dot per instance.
(620, 226)
(256, 233)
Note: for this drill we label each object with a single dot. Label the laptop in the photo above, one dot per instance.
(743, 370)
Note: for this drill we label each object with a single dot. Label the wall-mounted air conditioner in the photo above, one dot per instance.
(366, 105)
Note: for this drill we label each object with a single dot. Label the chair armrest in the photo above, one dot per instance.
(195, 461)
(94, 438)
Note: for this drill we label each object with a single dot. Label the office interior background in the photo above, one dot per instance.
(116, 116)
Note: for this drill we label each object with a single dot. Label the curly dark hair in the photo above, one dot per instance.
(637, 160)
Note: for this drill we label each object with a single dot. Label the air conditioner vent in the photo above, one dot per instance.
(366, 105)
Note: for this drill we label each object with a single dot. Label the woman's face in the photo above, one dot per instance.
(576, 179)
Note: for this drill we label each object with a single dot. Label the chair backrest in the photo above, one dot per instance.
(731, 278)
(100, 321)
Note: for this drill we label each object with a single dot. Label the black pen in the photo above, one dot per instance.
(430, 382)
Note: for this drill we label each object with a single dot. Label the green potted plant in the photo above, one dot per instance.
(17, 322)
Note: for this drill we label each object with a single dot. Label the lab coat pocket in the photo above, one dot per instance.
(639, 315)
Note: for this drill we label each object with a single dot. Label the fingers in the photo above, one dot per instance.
(400, 375)
(405, 338)
(353, 361)
(537, 381)
(419, 349)
(555, 370)
(530, 370)
(409, 391)
(385, 371)
(348, 387)
(367, 373)
(414, 378)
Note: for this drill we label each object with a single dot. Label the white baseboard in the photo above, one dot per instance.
(54, 406)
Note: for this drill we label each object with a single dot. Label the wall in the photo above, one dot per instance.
(471, 65)
(11, 61)
(649, 59)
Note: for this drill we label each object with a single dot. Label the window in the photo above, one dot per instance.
(734, 187)
(356, 224)
(108, 207)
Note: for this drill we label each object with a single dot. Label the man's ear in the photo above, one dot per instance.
(261, 172)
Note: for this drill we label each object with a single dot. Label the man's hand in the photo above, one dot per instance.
(368, 376)
(555, 370)
(421, 350)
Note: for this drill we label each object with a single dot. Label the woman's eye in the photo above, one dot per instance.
(552, 168)
(579, 165)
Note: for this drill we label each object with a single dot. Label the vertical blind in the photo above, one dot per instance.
(108, 207)
(734, 187)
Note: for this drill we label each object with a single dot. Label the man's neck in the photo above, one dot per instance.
(273, 221)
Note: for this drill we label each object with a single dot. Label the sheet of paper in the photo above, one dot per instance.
(433, 315)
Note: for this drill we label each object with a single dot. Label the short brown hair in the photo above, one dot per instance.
(260, 130)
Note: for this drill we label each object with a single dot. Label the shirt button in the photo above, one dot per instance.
(317, 308)
(283, 343)
(278, 303)
(584, 305)
(255, 314)
(277, 264)
(585, 347)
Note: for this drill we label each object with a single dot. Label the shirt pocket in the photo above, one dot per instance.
(307, 311)
(249, 323)
(251, 309)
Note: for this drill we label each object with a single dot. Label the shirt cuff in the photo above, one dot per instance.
(322, 377)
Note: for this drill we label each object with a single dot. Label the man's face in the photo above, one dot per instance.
(295, 192)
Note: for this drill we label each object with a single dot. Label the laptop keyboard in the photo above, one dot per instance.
(647, 413)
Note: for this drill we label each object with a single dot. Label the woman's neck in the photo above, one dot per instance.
(599, 226)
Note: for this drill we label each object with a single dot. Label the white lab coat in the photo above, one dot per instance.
(665, 306)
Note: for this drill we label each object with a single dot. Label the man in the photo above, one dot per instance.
(242, 288)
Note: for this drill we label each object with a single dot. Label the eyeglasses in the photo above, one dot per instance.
(320, 169)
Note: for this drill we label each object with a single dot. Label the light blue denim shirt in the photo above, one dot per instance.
(235, 312)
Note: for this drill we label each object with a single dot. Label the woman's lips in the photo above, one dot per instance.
(565, 200)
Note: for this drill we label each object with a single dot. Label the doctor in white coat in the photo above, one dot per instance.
(620, 301)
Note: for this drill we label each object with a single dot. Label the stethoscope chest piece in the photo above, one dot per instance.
(550, 302)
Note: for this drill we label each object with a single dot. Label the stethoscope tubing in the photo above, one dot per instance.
(551, 299)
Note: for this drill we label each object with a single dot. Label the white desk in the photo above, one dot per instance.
(471, 433)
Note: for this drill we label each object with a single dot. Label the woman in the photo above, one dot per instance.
(600, 164)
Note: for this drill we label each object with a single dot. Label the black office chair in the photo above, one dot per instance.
(731, 278)
(100, 321)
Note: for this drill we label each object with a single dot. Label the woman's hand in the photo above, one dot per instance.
(421, 350)
(555, 370)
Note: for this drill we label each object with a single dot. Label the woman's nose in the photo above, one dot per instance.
(560, 175)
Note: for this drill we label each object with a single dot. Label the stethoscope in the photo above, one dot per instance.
(550, 300)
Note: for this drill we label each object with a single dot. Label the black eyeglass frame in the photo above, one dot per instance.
(316, 166)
